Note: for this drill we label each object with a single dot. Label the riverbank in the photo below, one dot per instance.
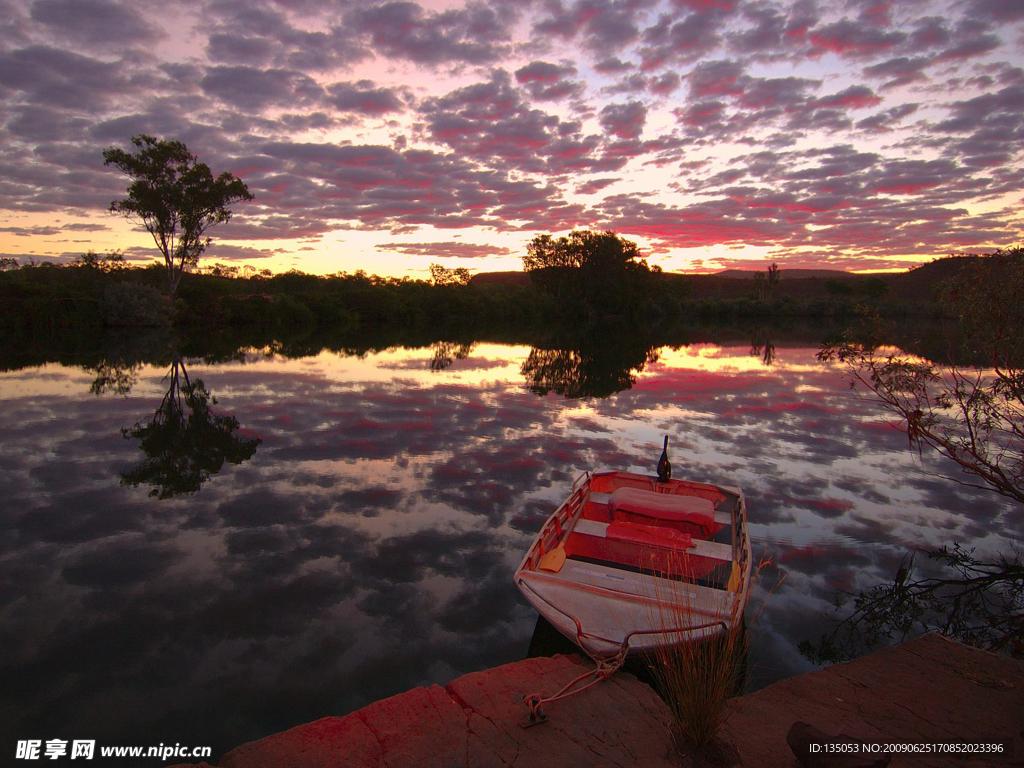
(924, 691)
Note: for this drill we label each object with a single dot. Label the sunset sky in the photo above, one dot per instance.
(389, 135)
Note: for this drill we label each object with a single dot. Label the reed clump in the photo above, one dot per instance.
(697, 677)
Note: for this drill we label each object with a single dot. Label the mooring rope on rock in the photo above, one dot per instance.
(603, 669)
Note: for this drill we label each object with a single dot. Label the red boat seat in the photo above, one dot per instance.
(640, 506)
(658, 536)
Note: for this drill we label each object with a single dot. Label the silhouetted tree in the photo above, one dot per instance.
(973, 417)
(601, 269)
(441, 275)
(175, 197)
(112, 262)
(979, 602)
(765, 282)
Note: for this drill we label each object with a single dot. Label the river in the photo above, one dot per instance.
(351, 524)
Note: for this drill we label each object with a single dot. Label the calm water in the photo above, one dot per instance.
(368, 542)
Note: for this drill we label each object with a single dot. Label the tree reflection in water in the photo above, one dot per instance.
(185, 442)
(446, 352)
(594, 369)
(115, 378)
(761, 346)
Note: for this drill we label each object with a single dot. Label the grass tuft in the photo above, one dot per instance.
(697, 678)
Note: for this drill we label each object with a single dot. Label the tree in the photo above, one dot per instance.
(175, 197)
(602, 269)
(974, 418)
(441, 275)
(979, 602)
(765, 282)
(8, 262)
(112, 262)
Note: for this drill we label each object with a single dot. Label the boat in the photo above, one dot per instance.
(630, 562)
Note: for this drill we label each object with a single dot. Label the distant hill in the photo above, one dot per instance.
(917, 284)
(748, 274)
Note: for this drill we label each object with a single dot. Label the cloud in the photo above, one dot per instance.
(251, 88)
(549, 82)
(450, 249)
(625, 121)
(476, 34)
(364, 97)
(852, 39)
(99, 24)
(492, 115)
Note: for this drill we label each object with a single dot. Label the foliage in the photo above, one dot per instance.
(130, 304)
(186, 442)
(836, 287)
(765, 282)
(973, 417)
(112, 262)
(175, 197)
(601, 270)
(440, 275)
(974, 601)
(8, 262)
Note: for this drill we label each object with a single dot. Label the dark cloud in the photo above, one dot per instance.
(250, 88)
(100, 24)
(901, 70)
(549, 82)
(363, 97)
(601, 25)
(63, 79)
(625, 121)
(451, 249)
(230, 48)
(491, 122)
(852, 39)
(671, 41)
(592, 85)
(476, 34)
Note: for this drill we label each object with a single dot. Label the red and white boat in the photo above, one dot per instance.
(630, 562)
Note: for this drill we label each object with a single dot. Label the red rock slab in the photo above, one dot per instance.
(926, 690)
(476, 721)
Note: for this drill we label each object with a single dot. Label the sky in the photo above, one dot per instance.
(386, 136)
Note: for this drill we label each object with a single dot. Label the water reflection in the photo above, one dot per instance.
(761, 346)
(447, 352)
(113, 377)
(368, 545)
(597, 368)
(185, 442)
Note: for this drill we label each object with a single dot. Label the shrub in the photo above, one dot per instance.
(135, 304)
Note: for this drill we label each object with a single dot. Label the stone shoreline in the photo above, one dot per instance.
(926, 690)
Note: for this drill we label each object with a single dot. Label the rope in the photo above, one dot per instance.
(604, 668)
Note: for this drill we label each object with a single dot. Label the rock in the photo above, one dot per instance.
(802, 736)
(476, 722)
